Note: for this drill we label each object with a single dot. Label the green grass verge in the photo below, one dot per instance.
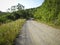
(50, 24)
(9, 31)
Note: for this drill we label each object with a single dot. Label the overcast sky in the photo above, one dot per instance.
(5, 4)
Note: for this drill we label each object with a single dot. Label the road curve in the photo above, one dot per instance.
(34, 33)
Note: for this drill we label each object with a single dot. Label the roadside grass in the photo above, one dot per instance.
(50, 24)
(9, 31)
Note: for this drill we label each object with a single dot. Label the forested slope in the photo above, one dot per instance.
(49, 12)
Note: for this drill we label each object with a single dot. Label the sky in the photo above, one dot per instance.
(5, 4)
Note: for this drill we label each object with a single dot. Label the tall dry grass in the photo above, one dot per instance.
(9, 31)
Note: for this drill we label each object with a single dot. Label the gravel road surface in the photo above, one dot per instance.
(34, 33)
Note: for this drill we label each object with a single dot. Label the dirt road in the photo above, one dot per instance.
(34, 33)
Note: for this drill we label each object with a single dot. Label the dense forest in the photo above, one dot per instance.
(49, 12)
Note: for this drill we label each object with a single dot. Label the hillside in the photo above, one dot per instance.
(49, 12)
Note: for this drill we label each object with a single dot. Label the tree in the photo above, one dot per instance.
(20, 7)
(8, 10)
(13, 8)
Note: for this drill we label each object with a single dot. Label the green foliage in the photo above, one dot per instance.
(49, 12)
(9, 31)
(16, 14)
(30, 12)
(3, 17)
